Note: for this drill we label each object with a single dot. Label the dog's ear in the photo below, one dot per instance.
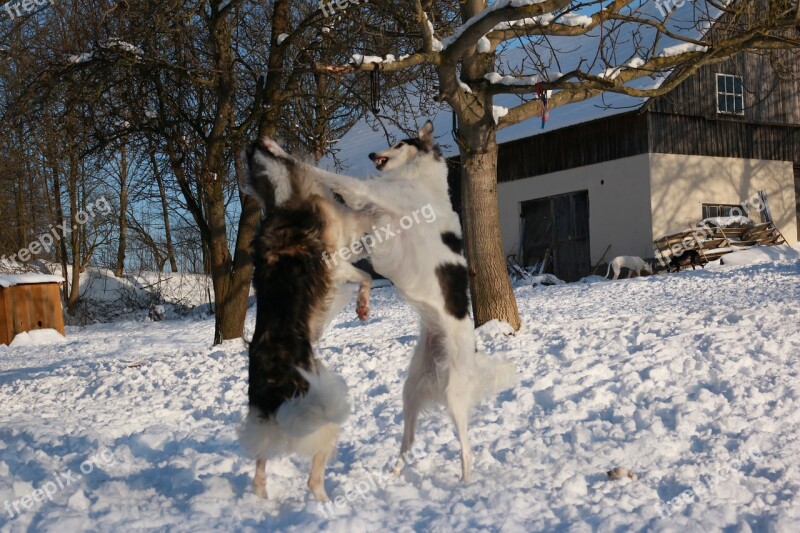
(269, 145)
(426, 132)
(246, 180)
(426, 137)
(268, 174)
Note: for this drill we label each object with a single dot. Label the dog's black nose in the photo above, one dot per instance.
(371, 156)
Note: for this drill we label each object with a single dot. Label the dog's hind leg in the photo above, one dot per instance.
(461, 393)
(260, 479)
(316, 480)
(411, 410)
(414, 395)
(458, 403)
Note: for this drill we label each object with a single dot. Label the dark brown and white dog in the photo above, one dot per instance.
(686, 258)
(425, 261)
(295, 404)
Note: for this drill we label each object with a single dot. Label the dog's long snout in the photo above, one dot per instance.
(372, 156)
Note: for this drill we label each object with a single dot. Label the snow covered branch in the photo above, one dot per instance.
(389, 63)
(621, 42)
(687, 59)
(501, 11)
(565, 25)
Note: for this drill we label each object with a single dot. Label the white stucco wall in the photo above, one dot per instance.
(635, 199)
(619, 205)
(680, 184)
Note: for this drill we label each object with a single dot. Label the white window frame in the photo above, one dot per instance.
(725, 93)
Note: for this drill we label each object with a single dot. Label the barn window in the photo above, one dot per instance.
(723, 210)
(730, 94)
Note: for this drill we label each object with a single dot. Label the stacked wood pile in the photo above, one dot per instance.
(711, 241)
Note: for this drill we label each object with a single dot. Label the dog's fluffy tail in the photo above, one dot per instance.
(492, 375)
(324, 403)
(303, 425)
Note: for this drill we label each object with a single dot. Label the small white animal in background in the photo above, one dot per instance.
(632, 263)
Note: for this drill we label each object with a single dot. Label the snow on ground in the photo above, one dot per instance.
(100, 285)
(688, 380)
(761, 254)
(37, 337)
(108, 298)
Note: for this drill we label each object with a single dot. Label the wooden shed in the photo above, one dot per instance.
(29, 302)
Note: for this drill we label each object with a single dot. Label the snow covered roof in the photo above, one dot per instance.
(28, 279)
(362, 139)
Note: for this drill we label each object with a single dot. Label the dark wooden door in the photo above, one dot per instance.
(559, 224)
(537, 231)
(797, 197)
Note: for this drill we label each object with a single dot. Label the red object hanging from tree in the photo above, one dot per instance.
(542, 93)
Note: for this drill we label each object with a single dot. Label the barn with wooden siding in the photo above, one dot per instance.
(29, 302)
(622, 181)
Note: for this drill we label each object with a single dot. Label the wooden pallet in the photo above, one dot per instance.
(713, 243)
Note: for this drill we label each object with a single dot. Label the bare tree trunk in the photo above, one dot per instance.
(214, 174)
(21, 219)
(232, 324)
(119, 270)
(75, 240)
(490, 285)
(219, 256)
(232, 305)
(230, 277)
(62, 244)
(162, 192)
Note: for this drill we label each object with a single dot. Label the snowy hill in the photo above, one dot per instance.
(106, 298)
(688, 380)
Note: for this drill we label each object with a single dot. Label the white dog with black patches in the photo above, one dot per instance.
(426, 264)
(632, 263)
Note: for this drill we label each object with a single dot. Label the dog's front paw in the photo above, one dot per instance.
(362, 309)
(398, 468)
(320, 495)
(272, 147)
(260, 490)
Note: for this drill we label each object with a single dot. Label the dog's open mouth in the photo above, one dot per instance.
(380, 162)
